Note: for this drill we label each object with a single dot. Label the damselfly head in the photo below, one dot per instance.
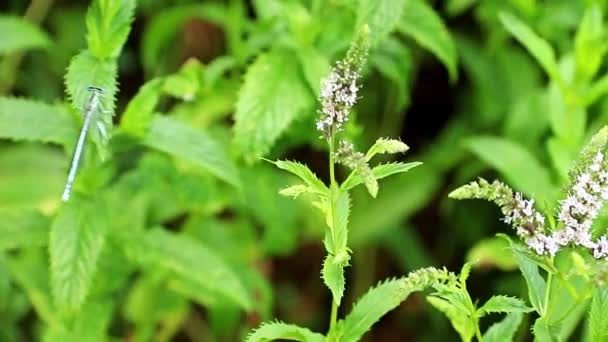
(95, 89)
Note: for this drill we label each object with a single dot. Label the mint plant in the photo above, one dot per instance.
(569, 250)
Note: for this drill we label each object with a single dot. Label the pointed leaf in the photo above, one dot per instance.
(503, 304)
(108, 25)
(536, 283)
(273, 96)
(598, 320)
(139, 113)
(76, 239)
(19, 34)
(169, 135)
(333, 276)
(459, 319)
(504, 330)
(305, 174)
(84, 71)
(282, 331)
(537, 46)
(386, 146)
(425, 26)
(379, 172)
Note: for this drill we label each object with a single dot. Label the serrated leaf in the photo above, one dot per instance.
(386, 146)
(22, 228)
(76, 239)
(169, 135)
(282, 331)
(191, 260)
(333, 276)
(304, 173)
(19, 34)
(539, 48)
(140, 110)
(379, 172)
(519, 167)
(504, 330)
(22, 119)
(380, 15)
(598, 320)
(108, 25)
(459, 319)
(340, 231)
(84, 71)
(425, 26)
(273, 96)
(503, 304)
(377, 302)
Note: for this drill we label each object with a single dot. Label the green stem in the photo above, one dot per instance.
(332, 194)
(545, 312)
(478, 332)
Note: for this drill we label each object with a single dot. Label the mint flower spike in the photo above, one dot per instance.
(582, 206)
(529, 224)
(354, 160)
(339, 89)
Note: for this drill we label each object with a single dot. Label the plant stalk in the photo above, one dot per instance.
(332, 194)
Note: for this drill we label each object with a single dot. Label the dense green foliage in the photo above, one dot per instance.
(286, 169)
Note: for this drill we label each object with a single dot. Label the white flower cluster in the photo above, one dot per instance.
(582, 206)
(529, 224)
(577, 212)
(338, 96)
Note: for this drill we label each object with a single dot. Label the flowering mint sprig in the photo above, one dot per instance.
(339, 89)
(577, 211)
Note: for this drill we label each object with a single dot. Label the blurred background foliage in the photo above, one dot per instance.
(447, 77)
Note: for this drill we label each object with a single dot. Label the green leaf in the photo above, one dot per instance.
(341, 229)
(393, 60)
(598, 320)
(84, 71)
(380, 15)
(33, 176)
(536, 283)
(460, 320)
(424, 25)
(76, 239)
(503, 304)
(386, 146)
(544, 332)
(108, 25)
(315, 67)
(169, 135)
(139, 113)
(22, 228)
(185, 83)
(282, 331)
(22, 119)
(492, 252)
(377, 302)
(304, 173)
(519, 167)
(385, 297)
(333, 276)
(273, 96)
(19, 34)
(90, 325)
(189, 259)
(537, 46)
(589, 44)
(504, 330)
(379, 172)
